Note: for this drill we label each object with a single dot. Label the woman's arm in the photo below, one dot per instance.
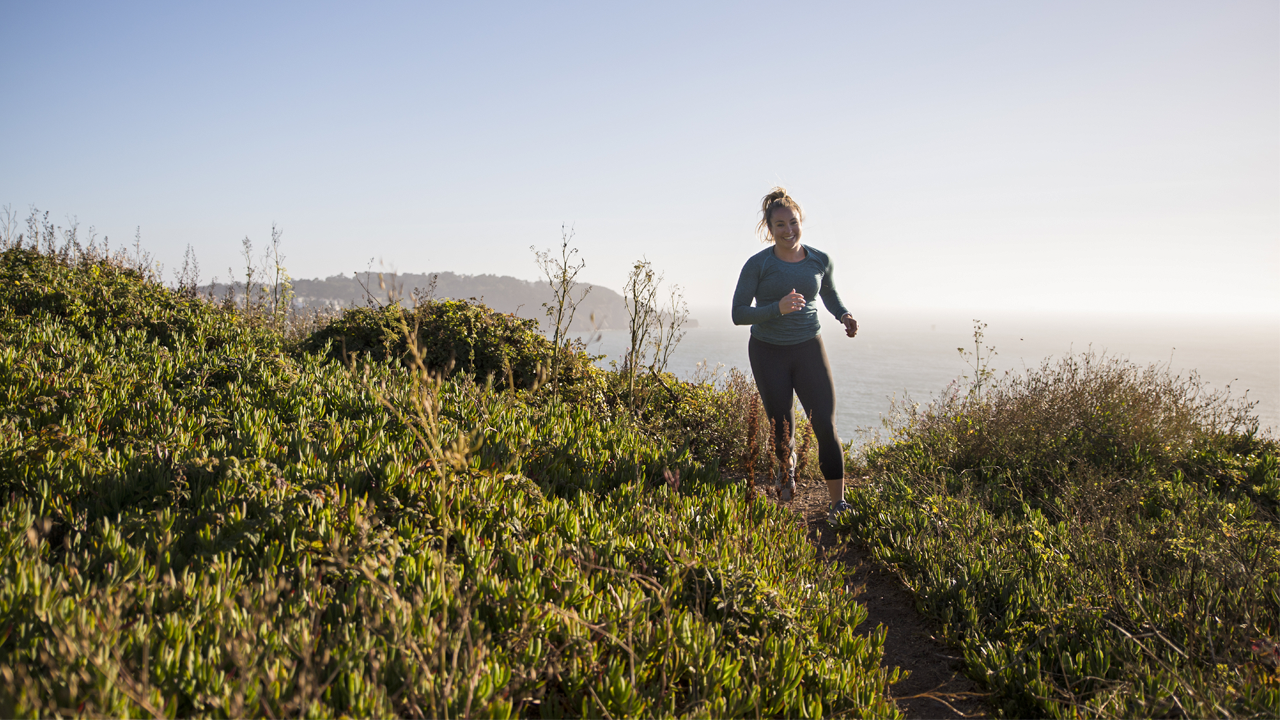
(744, 313)
(831, 298)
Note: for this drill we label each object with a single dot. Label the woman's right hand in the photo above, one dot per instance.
(791, 303)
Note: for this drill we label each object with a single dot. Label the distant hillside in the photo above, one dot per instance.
(500, 292)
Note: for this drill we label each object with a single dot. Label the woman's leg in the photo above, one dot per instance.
(771, 365)
(816, 388)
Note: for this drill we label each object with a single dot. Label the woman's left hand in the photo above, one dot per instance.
(850, 325)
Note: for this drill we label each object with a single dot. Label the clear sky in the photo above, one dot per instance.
(1028, 156)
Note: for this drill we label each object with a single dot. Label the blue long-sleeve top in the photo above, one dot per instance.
(766, 280)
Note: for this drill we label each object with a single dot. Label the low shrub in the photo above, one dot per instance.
(718, 417)
(1098, 538)
(1085, 411)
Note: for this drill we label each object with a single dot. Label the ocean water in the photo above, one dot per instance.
(914, 357)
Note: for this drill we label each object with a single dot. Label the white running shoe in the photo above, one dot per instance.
(786, 490)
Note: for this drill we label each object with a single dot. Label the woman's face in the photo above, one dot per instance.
(784, 226)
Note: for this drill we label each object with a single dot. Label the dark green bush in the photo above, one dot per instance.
(452, 336)
(105, 297)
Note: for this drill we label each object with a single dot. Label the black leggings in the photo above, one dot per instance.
(802, 369)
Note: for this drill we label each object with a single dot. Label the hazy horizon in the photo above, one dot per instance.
(915, 354)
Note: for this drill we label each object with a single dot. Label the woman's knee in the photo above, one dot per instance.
(824, 428)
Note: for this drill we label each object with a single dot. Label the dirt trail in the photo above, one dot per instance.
(935, 686)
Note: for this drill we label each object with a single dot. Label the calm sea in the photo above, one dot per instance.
(915, 356)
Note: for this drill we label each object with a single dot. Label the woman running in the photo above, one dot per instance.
(786, 351)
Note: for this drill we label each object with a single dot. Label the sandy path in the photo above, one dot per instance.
(935, 687)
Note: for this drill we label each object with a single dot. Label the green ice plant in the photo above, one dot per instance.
(198, 518)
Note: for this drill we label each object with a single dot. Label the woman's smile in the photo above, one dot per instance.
(784, 226)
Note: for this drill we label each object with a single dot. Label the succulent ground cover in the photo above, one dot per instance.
(1098, 539)
(202, 517)
(202, 513)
